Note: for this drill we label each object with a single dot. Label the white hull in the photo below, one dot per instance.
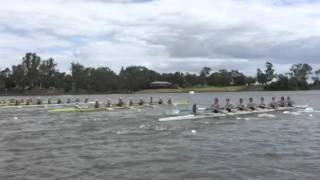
(215, 115)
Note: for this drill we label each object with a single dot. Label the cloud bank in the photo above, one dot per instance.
(165, 35)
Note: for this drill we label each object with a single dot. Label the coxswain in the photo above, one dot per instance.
(194, 109)
(108, 104)
(96, 105)
(273, 103)
(215, 107)
(262, 104)
(160, 101)
(228, 105)
(131, 103)
(282, 102)
(39, 101)
(289, 102)
(141, 102)
(251, 105)
(241, 106)
(120, 102)
(169, 101)
(28, 102)
(151, 101)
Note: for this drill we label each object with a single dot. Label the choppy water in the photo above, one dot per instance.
(131, 144)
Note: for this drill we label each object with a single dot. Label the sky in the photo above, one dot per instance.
(164, 35)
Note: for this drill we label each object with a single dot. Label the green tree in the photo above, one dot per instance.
(30, 67)
(19, 76)
(250, 80)
(269, 72)
(176, 78)
(204, 73)
(221, 78)
(283, 83)
(238, 78)
(78, 76)
(316, 78)
(47, 71)
(138, 77)
(261, 77)
(104, 79)
(300, 73)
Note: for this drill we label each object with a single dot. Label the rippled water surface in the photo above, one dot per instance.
(131, 144)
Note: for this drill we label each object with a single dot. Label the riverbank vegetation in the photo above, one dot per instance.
(35, 74)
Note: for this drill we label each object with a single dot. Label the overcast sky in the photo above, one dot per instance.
(164, 35)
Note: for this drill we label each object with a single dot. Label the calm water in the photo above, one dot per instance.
(131, 144)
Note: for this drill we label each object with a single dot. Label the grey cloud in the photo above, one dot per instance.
(239, 42)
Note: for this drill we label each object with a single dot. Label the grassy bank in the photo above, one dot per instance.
(201, 89)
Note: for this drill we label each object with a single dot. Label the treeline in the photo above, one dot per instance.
(296, 79)
(36, 73)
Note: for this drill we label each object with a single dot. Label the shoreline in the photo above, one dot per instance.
(150, 91)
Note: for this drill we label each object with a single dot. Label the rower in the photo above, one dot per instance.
(49, 100)
(96, 105)
(273, 103)
(39, 101)
(141, 102)
(68, 101)
(282, 102)
(108, 103)
(17, 103)
(169, 101)
(131, 103)
(59, 101)
(215, 107)
(28, 102)
(194, 109)
(228, 105)
(86, 100)
(77, 100)
(262, 105)
(241, 106)
(120, 102)
(151, 101)
(160, 101)
(289, 102)
(251, 105)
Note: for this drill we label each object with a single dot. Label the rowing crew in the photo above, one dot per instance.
(251, 105)
(120, 102)
(215, 107)
(131, 102)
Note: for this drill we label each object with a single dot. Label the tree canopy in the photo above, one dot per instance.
(36, 73)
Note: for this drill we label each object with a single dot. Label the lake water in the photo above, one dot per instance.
(132, 144)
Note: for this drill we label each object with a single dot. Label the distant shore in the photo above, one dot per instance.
(204, 89)
(146, 91)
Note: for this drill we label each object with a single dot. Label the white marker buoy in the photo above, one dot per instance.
(191, 92)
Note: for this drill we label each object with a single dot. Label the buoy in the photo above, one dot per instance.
(191, 92)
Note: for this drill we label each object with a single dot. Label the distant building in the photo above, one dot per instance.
(162, 85)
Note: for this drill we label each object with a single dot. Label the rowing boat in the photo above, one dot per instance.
(40, 105)
(223, 114)
(92, 109)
